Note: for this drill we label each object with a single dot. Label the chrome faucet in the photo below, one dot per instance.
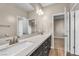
(13, 41)
(6, 35)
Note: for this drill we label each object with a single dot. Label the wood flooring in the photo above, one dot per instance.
(56, 52)
(59, 48)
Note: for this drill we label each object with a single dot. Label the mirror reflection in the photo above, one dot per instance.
(20, 28)
(25, 27)
(17, 23)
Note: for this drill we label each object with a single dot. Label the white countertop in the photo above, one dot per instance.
(25, 46)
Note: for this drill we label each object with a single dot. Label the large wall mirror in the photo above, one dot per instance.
(26, 27)
(22, 27)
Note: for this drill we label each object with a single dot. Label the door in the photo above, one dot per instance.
(66, 32)
(72, 51)
(77, 32)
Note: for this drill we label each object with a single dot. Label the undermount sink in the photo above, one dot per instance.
(16, 48)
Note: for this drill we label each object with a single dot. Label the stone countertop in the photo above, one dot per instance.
(24, 51)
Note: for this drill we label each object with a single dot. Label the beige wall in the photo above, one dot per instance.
(59, 27)
(8, 16)
(46, 19)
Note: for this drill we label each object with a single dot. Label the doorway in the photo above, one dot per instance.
(58, 29)
(59, 35)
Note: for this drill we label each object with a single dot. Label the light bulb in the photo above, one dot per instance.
(39, 12)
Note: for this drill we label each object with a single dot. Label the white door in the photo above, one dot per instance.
(66, 33)
(72, 33)
(77, 32)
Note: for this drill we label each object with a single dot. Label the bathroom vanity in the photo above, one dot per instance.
(38, 45)
(43, 49)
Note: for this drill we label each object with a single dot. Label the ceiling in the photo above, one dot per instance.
(29, 7)
(46, 4)
(25, 6)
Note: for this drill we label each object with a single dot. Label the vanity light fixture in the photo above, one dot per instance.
(39, 12)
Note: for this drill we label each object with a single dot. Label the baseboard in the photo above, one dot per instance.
(56, 48)
(69, 54)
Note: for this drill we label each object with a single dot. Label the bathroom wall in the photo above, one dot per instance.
(8, 16)
(59, 27)
(44, 22)
(47, 17)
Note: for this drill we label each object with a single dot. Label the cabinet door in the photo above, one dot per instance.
(38, 51)
(43, 50)
(49, 42)
(46, 48)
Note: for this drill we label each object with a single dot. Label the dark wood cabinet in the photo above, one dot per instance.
(43, 49)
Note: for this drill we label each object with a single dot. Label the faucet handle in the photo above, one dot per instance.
(15, 39)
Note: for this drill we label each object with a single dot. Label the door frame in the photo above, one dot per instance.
(62, 13)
